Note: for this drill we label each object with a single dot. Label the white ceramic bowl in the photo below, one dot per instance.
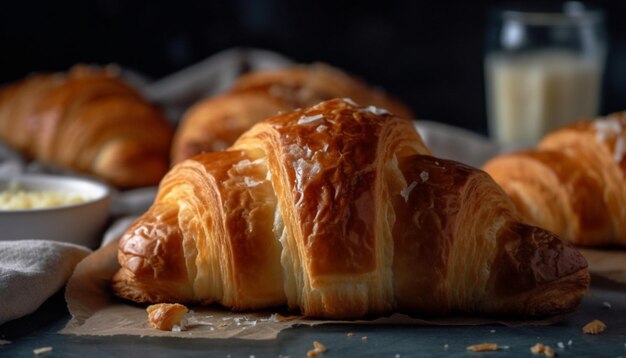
(79, 223)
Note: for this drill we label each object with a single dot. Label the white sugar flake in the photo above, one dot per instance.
(424, 176)
(611, 127)
(350, 101)
(251, 182)
(310, 119)
(607, 127)
(407, 191)
(375, 110)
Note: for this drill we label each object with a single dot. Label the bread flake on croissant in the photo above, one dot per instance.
(573, 183)
(339, 211)
(90, 121)
(215, 123)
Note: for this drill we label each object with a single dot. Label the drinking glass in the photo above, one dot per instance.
(543, 69)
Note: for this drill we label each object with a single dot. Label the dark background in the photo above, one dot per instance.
(428, 53)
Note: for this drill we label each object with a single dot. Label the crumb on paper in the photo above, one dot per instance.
(561, 345)
(606, 305)
(594, 327)
(493, 331)
(42, 350)
(318, 348)
(541, 348)
(167, 316)
(349, 334)
(446, 346)
(569, 343)
(483, 347)
(364, 338)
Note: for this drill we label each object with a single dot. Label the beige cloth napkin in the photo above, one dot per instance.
(33, 270)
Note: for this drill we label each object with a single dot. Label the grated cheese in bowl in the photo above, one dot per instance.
(17, 198)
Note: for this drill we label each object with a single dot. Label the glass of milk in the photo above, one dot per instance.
(543, 70)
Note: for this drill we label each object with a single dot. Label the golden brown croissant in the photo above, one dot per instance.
(215, 123)
(573, 183)
(338, 210)
(89, 121)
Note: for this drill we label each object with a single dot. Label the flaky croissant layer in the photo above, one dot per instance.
(339, 211)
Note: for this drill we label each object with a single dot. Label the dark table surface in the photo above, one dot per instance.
(40, 330)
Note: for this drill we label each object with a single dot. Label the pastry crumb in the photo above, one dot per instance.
(540, 348)
(317, 349)
(349, 334)
(167, 316)
(318, 346)
(561, 345)
(594, 327)
(446, 346)
(42, 350)
(364, 338)
(483, 347)
(537, 348)
(606, 304)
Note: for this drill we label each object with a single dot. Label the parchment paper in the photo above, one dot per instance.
(95, 311)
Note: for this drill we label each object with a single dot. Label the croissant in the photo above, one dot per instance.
(215, 123)
(339, 211)
(87, 120)
(573, 183)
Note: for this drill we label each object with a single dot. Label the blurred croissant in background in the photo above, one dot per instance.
(573, 183)
(90, 121)
(215, 123)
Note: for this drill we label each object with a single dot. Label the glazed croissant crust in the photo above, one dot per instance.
(215, 123)
(87, 120)
(339, 211)
(573, 183)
